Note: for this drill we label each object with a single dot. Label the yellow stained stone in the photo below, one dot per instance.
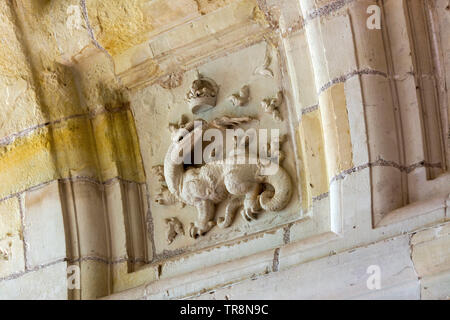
(111, 20)
(313, 156)
(336, 128)
(122, 280)
(103, 147)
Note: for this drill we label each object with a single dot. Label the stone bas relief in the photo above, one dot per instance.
(238, 178)
(209, 212)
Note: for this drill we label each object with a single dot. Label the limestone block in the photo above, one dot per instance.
(336, 129)
(405, 291)
(113, 30)
(305, 232)
(71, 29)
(126, 208)
(19, 103)
(181, 48)
(47, 283)
(313, 154)
(301, 71)
(356, 203)
(387, 193)
(238, 11)
(115, 211)
(49, 31)
(346, 210)
(29, 152)
(431, 250)
(163, 14)
(436, 287)
(94, 279)
(380, 118)
(425, 212)
(338, 45)
(369, 45)
(409, 103)
(422, 189)
(136, 199)
(123, 280)
(222, 254)
(91, 219)
(427, 236)
(110, 22)
(194, 282)
(399, 42)
(44, 226)
(443, 20)
(356, 120)
(341, 276)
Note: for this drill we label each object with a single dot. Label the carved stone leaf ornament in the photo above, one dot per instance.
(174, 228)
(241, 98)
(272, 105)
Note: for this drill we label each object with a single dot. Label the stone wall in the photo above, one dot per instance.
(91, 87)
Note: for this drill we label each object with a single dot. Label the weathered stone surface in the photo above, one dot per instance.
(341, 276)
(431, 250)
(48, 283)
(90, 88)
(44, 227)
(436, 287)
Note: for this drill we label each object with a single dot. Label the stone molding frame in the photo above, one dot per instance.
(367, 123)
